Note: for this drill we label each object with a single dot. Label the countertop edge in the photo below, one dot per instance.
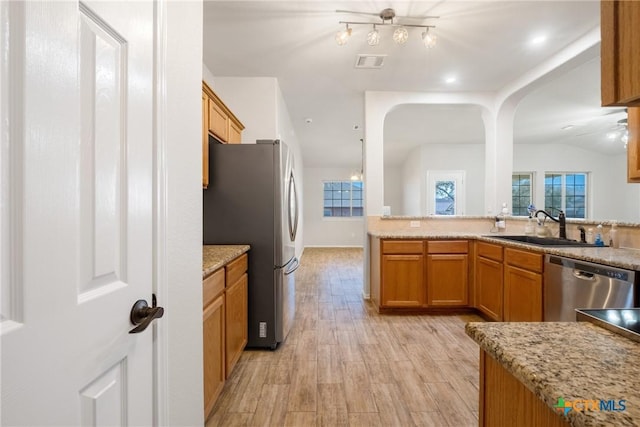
(619, 257)
(215, 257)
(540, 386)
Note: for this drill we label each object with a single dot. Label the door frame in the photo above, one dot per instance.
(459, 176)
(177, 213)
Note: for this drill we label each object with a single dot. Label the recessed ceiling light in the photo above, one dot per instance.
(308, 120)
(538, 40)
(451, 79)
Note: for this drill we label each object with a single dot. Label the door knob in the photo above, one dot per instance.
(142, 315)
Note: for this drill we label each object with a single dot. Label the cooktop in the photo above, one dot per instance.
(623, 321)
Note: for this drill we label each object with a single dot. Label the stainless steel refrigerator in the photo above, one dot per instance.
(252, 199)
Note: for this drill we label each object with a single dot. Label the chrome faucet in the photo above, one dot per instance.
(562, 220)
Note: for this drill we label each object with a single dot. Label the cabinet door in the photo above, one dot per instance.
(620, 63)
(489, 287)
(522, 295)
(236, 321)
(218, 121)
(633, 146)
(205, 140)
(213, 331)
(402, 281)
(447, 280)
(235, 133)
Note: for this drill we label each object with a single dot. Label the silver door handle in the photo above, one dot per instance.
(293, 267)
(584, 275)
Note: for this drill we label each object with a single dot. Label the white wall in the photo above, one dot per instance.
(393, 189)
(466, 157)
(258, 103)
(412, 185)
(179, 218)
(438, 157)
(611, 197)
(254, 102)
(207, 75)
(321, 231)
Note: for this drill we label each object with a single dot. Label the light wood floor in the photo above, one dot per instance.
(345, 365)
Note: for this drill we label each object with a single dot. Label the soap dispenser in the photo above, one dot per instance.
(501, 218)
(599, 241)
(613, 235)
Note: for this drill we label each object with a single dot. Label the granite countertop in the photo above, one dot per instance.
(217, 256)
(570, 360)
(615, 257)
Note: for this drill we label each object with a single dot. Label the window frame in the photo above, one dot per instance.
(563, 193)
(532, 193)
(351, 206)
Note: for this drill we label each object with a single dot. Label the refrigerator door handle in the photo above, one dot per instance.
(293, 266)
(293, 202)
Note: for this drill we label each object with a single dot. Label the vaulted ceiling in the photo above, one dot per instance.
(482, 45)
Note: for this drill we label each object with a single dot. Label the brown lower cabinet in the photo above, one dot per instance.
(448, 273)
(522, 295)
(489, 280)
(505, 401)
(508, 283)
(213, 326)
(522, 286)
(402, 281)
(503, 283)
(225, 325)
(421, 274)
(236, 321)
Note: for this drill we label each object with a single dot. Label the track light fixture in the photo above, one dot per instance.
(429, 39)
(400, 34)
(342, 37)
(373, 38)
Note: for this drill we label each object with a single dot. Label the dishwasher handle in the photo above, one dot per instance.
(583, 275)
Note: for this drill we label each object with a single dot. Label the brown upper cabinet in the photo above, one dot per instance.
(633, 145)
(620, 69)
(620, 62)
(218, 121)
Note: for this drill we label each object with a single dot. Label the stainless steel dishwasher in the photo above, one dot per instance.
(571, 284)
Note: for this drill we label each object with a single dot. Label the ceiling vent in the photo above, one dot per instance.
(369, 61)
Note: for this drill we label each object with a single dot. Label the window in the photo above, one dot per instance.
(342, 199)
(445, 192)
(567, 192)
(521, 193)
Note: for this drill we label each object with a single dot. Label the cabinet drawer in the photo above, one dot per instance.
(212, 286)
(526, 260)
(448, 247)
(488, 250)
(402, 247)
(236, 268)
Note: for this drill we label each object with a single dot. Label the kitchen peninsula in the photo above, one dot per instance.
(452, 264)
(528, 370)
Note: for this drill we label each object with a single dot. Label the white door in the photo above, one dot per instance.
(77, 84)
(445, 192)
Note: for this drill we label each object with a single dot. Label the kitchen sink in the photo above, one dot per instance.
(543, 241)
